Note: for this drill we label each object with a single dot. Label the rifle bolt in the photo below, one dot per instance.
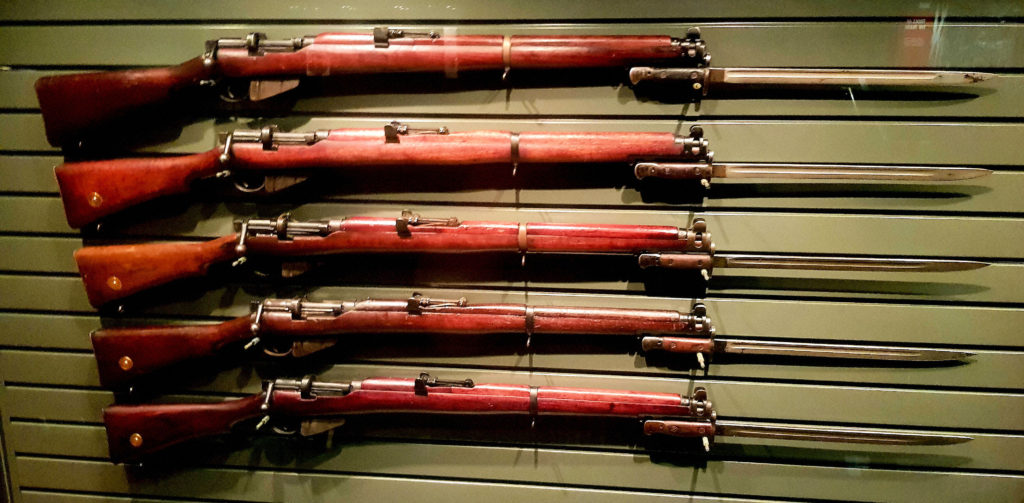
(114, 283)
(95, 200)
(125, 363)
(135, 439)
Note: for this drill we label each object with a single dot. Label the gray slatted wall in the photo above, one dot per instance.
(51, 401)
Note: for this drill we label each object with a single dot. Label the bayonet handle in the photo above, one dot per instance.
(677, 344)
(688, 261)
(688, 429)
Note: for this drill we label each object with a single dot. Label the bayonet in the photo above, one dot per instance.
(711, 428)
(706, 348)
(702, 167)
(705, 80)
(708, 261)
(841, 351)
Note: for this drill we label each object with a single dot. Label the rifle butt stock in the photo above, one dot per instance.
(117, 271)
(92, 190)
(134, 431)
(126, 354)
(72, 104)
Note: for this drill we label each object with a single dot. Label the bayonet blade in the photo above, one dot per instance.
(843, 263)
(846, 172)
(833, 434)
(844, 351)
(844, 77)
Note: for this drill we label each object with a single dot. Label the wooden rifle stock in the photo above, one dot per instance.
(95, 189)
(129, 353)
(114, 272)
(73, 103)
(134, 431)
(125, 354)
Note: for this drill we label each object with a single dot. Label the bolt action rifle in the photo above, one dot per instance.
(72, 103)
(299, 327)
(117, 271)
(135, 431)
(94, 189)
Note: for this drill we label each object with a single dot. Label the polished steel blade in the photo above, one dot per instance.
(833, 434)
(846, 172)
(848, 351)
(844, 77)
(843, 263)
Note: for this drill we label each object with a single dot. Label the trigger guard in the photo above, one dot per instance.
(234, 92)
(285, 428)
(241, 185)
(271, 350)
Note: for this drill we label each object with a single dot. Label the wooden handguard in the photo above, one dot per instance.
(136, 430)
(74, 103)
(370, 147)
(357, 53)
(94, 189)
(124, 354)
(113, 272)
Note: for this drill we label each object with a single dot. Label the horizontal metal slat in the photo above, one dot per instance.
(974, 410)
(956, 325)
(744, 478)
(464, 10)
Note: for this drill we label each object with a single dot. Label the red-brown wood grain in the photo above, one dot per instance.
(160, 426)
(379, 395)
(95, 189)
(113, 272)
(354, 53)
(124, 354)
(152, 348)
(480, 319)
(72, 103)
(372, 234)
(117, 271)
(164, 425)
(367, 147)
(92, 190)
